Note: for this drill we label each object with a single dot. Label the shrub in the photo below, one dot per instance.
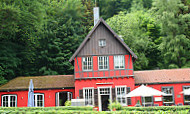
(68, 103)
(115, 105)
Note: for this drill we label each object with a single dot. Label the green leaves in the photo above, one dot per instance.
(174, 26)
(140, 32)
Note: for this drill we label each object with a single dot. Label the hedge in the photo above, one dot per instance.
(92, 112)
(163, 108)
(77, 108)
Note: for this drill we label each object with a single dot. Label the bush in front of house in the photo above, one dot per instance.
(65, 108)
(115, 106)
(158, 108)
(68, 103)
(90, 112)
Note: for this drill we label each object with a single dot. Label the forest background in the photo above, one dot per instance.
(37, 37)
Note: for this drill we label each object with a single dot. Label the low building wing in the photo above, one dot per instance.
(162, 76)
(40, 82)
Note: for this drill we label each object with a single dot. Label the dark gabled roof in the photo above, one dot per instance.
(90, 33)
(162, 76)
(40, 82)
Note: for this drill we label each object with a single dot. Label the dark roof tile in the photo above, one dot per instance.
(40, 82)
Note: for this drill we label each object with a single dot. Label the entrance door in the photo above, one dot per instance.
(105, 102)
(104, 95)
(62, 97)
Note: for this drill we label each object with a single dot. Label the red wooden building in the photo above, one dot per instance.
(103, 71)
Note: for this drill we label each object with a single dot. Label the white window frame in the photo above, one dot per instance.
(102, 42)
(88, 65)
(147, 103)
(36, 100)
(121, 96)
(118, 60)
(171, 94)
(185, 95)
(84, 96)
(9, 100)
(103, 62)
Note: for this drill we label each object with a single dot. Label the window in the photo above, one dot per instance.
(105, 91)
(169, 98)
(87, 63)
(148, 101)
(88, 94)
(119, 62)
(186, 97)
(9, 100)
(38, 100)
(120, 95)
(102, 42)
(103, 63)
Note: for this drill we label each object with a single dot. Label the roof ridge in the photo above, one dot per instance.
(41, 76)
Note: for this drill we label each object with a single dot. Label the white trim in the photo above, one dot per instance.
(35, 101)
(119, 58)
(9, 101)
(105, 83)
(88, 88)
(99, 96)
(87, 63)
(103, 62)
(57, 99)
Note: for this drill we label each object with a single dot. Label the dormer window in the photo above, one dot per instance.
(102, 42)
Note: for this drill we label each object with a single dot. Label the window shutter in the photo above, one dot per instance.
(113, 95)
(128, 98)
(81, 94)
(96, 97)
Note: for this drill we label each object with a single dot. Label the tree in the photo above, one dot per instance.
(20, 23)
(64, 31)
(140, 32)
(175, 24)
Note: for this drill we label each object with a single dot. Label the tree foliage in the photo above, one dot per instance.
(37, 37)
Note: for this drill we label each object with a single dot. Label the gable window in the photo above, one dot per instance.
(103, 63)
(102, 42)
(169, 98)
(88, 96)
(120, 95)
(119, 62)
(186, 97)
(9, 100)
(87, 63)
(38, 100)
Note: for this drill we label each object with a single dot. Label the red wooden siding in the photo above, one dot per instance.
(80, 84)
(111, 72)
(49, 96)
(177, 88)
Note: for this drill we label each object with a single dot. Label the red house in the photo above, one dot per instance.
(103, 68)
(103, 71)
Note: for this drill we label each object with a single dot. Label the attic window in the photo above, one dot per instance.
(102, 42)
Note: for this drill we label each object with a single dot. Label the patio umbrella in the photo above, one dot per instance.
(145, 91)
(186, 91)
(31, 94)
